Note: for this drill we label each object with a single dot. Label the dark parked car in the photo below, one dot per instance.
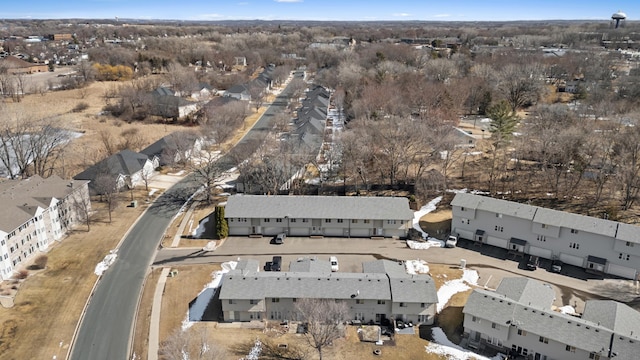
(268, 265)
(279, 239)
(276, 263)
(556, 266)
(533, 262)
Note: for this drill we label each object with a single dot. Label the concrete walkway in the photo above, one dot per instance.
(154, 323)
(183, 224)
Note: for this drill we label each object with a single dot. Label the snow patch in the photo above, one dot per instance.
(254, 354)
(152, 191)
(424, 245)
(196, 311)
(104, 264)
(567, 309)
(452, 287)
(422, 212)
(416, 267)
(465, 190)
(199, 231)
(441, 345)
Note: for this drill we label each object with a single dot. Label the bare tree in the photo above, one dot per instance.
(82, 207)
(206, 172)
(192, 344)
(325, 319)
(106, 185)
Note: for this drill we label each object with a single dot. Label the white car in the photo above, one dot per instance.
(334, 263)
(452, 241)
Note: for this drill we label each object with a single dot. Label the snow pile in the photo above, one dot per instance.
(254, 354)
(104, 264)
(452, 287)
(422, 212)
(199, 231)
(441, 345)
(465, 190)
(567, 309)
(424, 245)
(196, 311)
(416, 266)
(152, 191)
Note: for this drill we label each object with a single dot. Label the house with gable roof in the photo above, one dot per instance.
(34, 213)
(383, 291)
(127, 167)
(597, 245)
(517, 318)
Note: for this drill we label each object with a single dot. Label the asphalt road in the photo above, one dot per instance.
(105, 331)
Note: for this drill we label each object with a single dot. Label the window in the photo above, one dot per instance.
(354, 221)
(542, 238)
(574, 231)
(462, 208)
(232, 301)
(594, 356)
(499, 228)
(543, 340)
(403, 304)
(279, 220)
(574, 246)
(253, 301)
(267, 220)
(340, 221)
(629, 243)
(498, 215)
(474, 319)
(494, 325)
(423, 305)
(366, 221)
(294, 300)
(381, 302)
(391, 222)
(359, 301)
(522, 332)
(327, 220)
(275, 300)
(570, 348)
(623, 256)
(544, 226)
(292, 220)
(305, 220)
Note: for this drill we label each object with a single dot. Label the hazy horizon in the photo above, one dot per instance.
(321, 10)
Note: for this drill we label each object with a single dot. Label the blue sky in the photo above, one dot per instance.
(428, 10)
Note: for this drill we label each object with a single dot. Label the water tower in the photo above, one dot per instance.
(618, 19)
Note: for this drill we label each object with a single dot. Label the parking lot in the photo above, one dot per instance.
(573, 285)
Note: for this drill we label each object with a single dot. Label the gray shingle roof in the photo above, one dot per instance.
(527, 291)
(126, 162)
(391, 268)
(310, 265)
(628, 232)
(415, 288)
(21, 198)
(319, 207)
(575, 221)
(613, 315)
(510, 208)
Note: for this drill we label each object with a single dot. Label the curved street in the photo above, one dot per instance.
(107, 326)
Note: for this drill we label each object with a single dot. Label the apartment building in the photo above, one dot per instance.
(35, 213)
(598, 245)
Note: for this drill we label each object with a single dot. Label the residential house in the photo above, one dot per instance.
(15, 65)
(518, 318)
(203, 92)
(35, 213)
(239, 91)
(598, 245)
(464, 138)
(127, 168)
(311, 120)
(383, 291)
(349, 216)
(165, 103)
(173, 148)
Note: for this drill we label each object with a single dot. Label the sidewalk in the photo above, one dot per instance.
(154, 324)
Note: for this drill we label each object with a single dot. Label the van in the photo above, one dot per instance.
(334, 263)
(451, 242)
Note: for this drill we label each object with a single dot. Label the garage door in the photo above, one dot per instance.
(464, 234)
(543, 253)
(273, 230)
(495, 241)
(333, 232)
(572, 260)
(622, 271)
(360, 232)
(299, 231)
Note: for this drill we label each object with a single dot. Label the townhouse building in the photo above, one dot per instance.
(35, 213)
(381, 292)
(518, 319)
(348, 216)
(598, 245)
